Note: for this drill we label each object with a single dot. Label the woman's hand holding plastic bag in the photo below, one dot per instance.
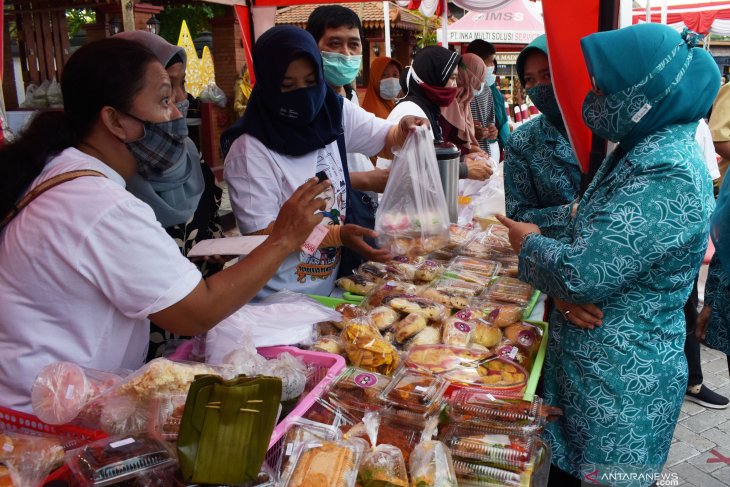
(413, 218)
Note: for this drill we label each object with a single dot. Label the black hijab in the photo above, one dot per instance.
(293, 123)
(434, 66)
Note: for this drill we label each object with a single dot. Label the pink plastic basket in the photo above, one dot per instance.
(324, 367)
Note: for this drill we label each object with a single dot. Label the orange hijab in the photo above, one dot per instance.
(472, 73)
(372, 101)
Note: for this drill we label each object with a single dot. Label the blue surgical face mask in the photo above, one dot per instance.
(491, 77)
(615, 115)
(389, 88)
(339, 69)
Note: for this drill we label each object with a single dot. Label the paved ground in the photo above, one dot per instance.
(702, 434)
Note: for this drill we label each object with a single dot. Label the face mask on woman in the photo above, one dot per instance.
(183, 107)
(389, 88)
(441, 96)
(339, 69)
(480, 90)
(161, 147)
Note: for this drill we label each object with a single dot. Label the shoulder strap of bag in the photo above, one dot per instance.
(43, 187)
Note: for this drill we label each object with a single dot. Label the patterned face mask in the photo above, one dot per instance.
(183, 106)
(614, 116)
(543, 96)
(161, 146)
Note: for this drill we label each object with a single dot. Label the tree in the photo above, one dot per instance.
(197, 16)
(76, 18)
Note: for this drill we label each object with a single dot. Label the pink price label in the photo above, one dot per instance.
(365, 380)
(315, 238)
(462, 327)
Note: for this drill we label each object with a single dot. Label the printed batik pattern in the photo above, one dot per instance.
(633, 249)
(541, 176)
(717, 296)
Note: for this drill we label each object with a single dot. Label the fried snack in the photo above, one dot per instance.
(501, 372)
(30, 455)
(502, 314)
(326, 328)
(383, 317)
(428, 336)
(409, 327)
(356, 284)
(412, 304)
(328, 464)
(451, 298)
(441, 358)
(457, 332)
(389, 289)
(486, 335)
(525, 335)
(428, 270)
(510, 290)
(329, 344)
(350, 311)
(511, 351)
(367, 349)
(163, 377)
(431, 465)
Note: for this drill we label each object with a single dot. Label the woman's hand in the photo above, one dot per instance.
(477, 166)
(353, 237)
(299, 215)
(586, 316)
(703, 319)
(397, 134)
(518, 231)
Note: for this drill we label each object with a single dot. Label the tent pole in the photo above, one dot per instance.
(386, 23)
(648, 11)
(445, 25)
(608, 14)
(663, 16)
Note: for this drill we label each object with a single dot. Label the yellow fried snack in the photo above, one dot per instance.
(367, 349)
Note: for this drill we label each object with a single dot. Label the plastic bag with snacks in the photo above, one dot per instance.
(367, 349)
(430, 462)
(55, 97)
(64, 392)
(29, 459)
(381, 465)
(413, 218)
(300, 432)
(213, 94)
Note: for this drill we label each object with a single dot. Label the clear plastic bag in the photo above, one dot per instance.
(412, 218)
(293, 374)
(29, 458)
(213, 94)
(55, 97)
(489, 200)
(331, 463)
(430, 463)
(382, 465)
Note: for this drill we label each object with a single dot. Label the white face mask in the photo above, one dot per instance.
(491, 78)
(480, 90)
(389, 88)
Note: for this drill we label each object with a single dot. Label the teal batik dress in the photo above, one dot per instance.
(541, 176)
(717, 296)
(636, 244)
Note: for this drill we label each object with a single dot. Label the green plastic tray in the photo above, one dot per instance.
(352, 298)
(328, 301)
(531, 305)
(538, 363)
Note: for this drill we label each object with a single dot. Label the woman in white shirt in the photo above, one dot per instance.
(296, 126)
(85, 265)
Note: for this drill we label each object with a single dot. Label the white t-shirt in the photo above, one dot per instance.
(260, 180)
(357, 162)
(401, 110)
(703, 136)
(81, 269)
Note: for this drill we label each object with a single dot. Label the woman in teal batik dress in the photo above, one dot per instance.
(541, 174)
(633, 249)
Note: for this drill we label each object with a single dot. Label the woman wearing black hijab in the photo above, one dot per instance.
(296, 127)
(430, 84)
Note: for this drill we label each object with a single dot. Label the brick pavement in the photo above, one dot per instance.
(701, 431)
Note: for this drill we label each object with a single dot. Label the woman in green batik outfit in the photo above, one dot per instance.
(633, 249)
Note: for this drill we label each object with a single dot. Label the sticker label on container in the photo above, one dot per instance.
(513, 352)
(120, 443)
(70, 391)
(462, 327)
(497, 440)
(8, 447)
(365, 380)
(421, 388)
(289, 449)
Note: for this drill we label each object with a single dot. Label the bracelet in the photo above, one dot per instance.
(524, 239)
